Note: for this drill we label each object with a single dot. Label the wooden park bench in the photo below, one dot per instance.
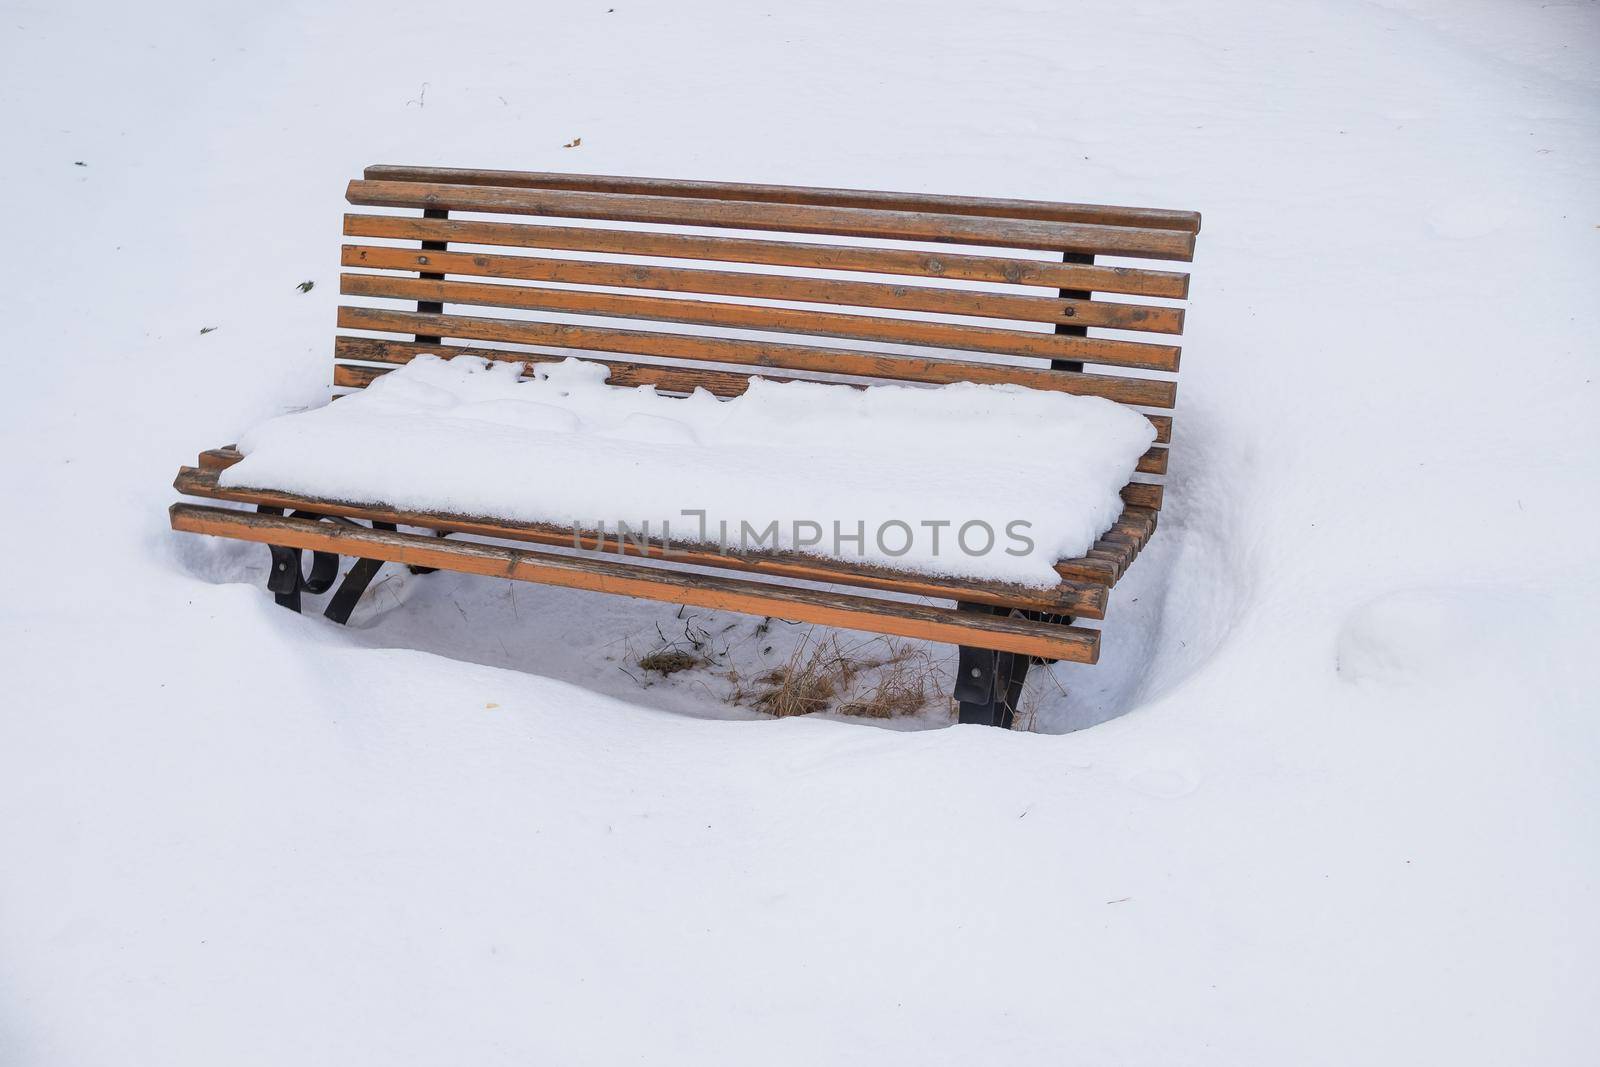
(427, 259)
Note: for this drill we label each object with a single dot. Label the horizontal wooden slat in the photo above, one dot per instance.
(1141, 521)
(787, 218)
(1085, 600)
(1122, 535)
(1114, 552)
(1118, 553)
(844, 610)
(356, 376)
(942, 335)
(1092, 571)
(1142, 495)
(1144, 392)
(1079, 577)
(1187, 221)
(668, 377)
(1133, 528)
(1115, 562)
(1133, 281)
(931, 299)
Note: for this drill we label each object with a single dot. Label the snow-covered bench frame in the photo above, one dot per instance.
(999, 627)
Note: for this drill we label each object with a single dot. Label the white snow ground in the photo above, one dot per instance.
(1344, 807)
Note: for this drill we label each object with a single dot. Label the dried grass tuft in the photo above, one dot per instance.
(668, 661)
(823, 675)
(901, 685)
(814, 675)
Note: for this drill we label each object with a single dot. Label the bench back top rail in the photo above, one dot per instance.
(702, 284)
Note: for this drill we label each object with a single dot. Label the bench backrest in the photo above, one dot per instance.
(878, 318)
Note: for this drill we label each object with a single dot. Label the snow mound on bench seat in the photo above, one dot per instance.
(904, 467)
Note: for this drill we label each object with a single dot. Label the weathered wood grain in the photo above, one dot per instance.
(949, 336)
(1137, 522)
(939, 301)
(669, 378)
(1144, 243)
(1075, 232)
(1133, 281)
(847, 611)
(1141, 392)
(1142, 495)
(1156, 218)
(1084, 600)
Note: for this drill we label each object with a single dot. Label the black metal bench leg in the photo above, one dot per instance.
(1018, 675)
(989, 683)
(286, 580)
(355, 583)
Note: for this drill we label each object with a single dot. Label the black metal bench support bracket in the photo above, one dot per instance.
(1063, 328)
(287, 580)
(355, 583)
(989, 683)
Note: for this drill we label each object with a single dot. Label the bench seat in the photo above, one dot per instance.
(1083, 597)
(575, 308)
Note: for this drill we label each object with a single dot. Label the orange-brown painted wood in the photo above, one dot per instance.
(989, 339)
(847, 611)
(1033, 226)
(671, 378)
(1142, 392)
(1082, 591)
(1089, 570)
(668, 377)
(955, 266)
(1187, 221)
(935, 300)
(1084, 600)
(1142, 495)
(1144, 243)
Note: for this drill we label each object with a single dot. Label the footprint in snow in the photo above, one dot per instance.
(1424, 634)
(1164, 775)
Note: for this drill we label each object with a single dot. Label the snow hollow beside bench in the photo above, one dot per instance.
(905, 468)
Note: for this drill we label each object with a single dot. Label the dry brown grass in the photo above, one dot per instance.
(808, 682)
(1043, 684)
(1026, 718)
(901, 684)
(695, 647)
(668, 661)
(875, 678)
(823, 675)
